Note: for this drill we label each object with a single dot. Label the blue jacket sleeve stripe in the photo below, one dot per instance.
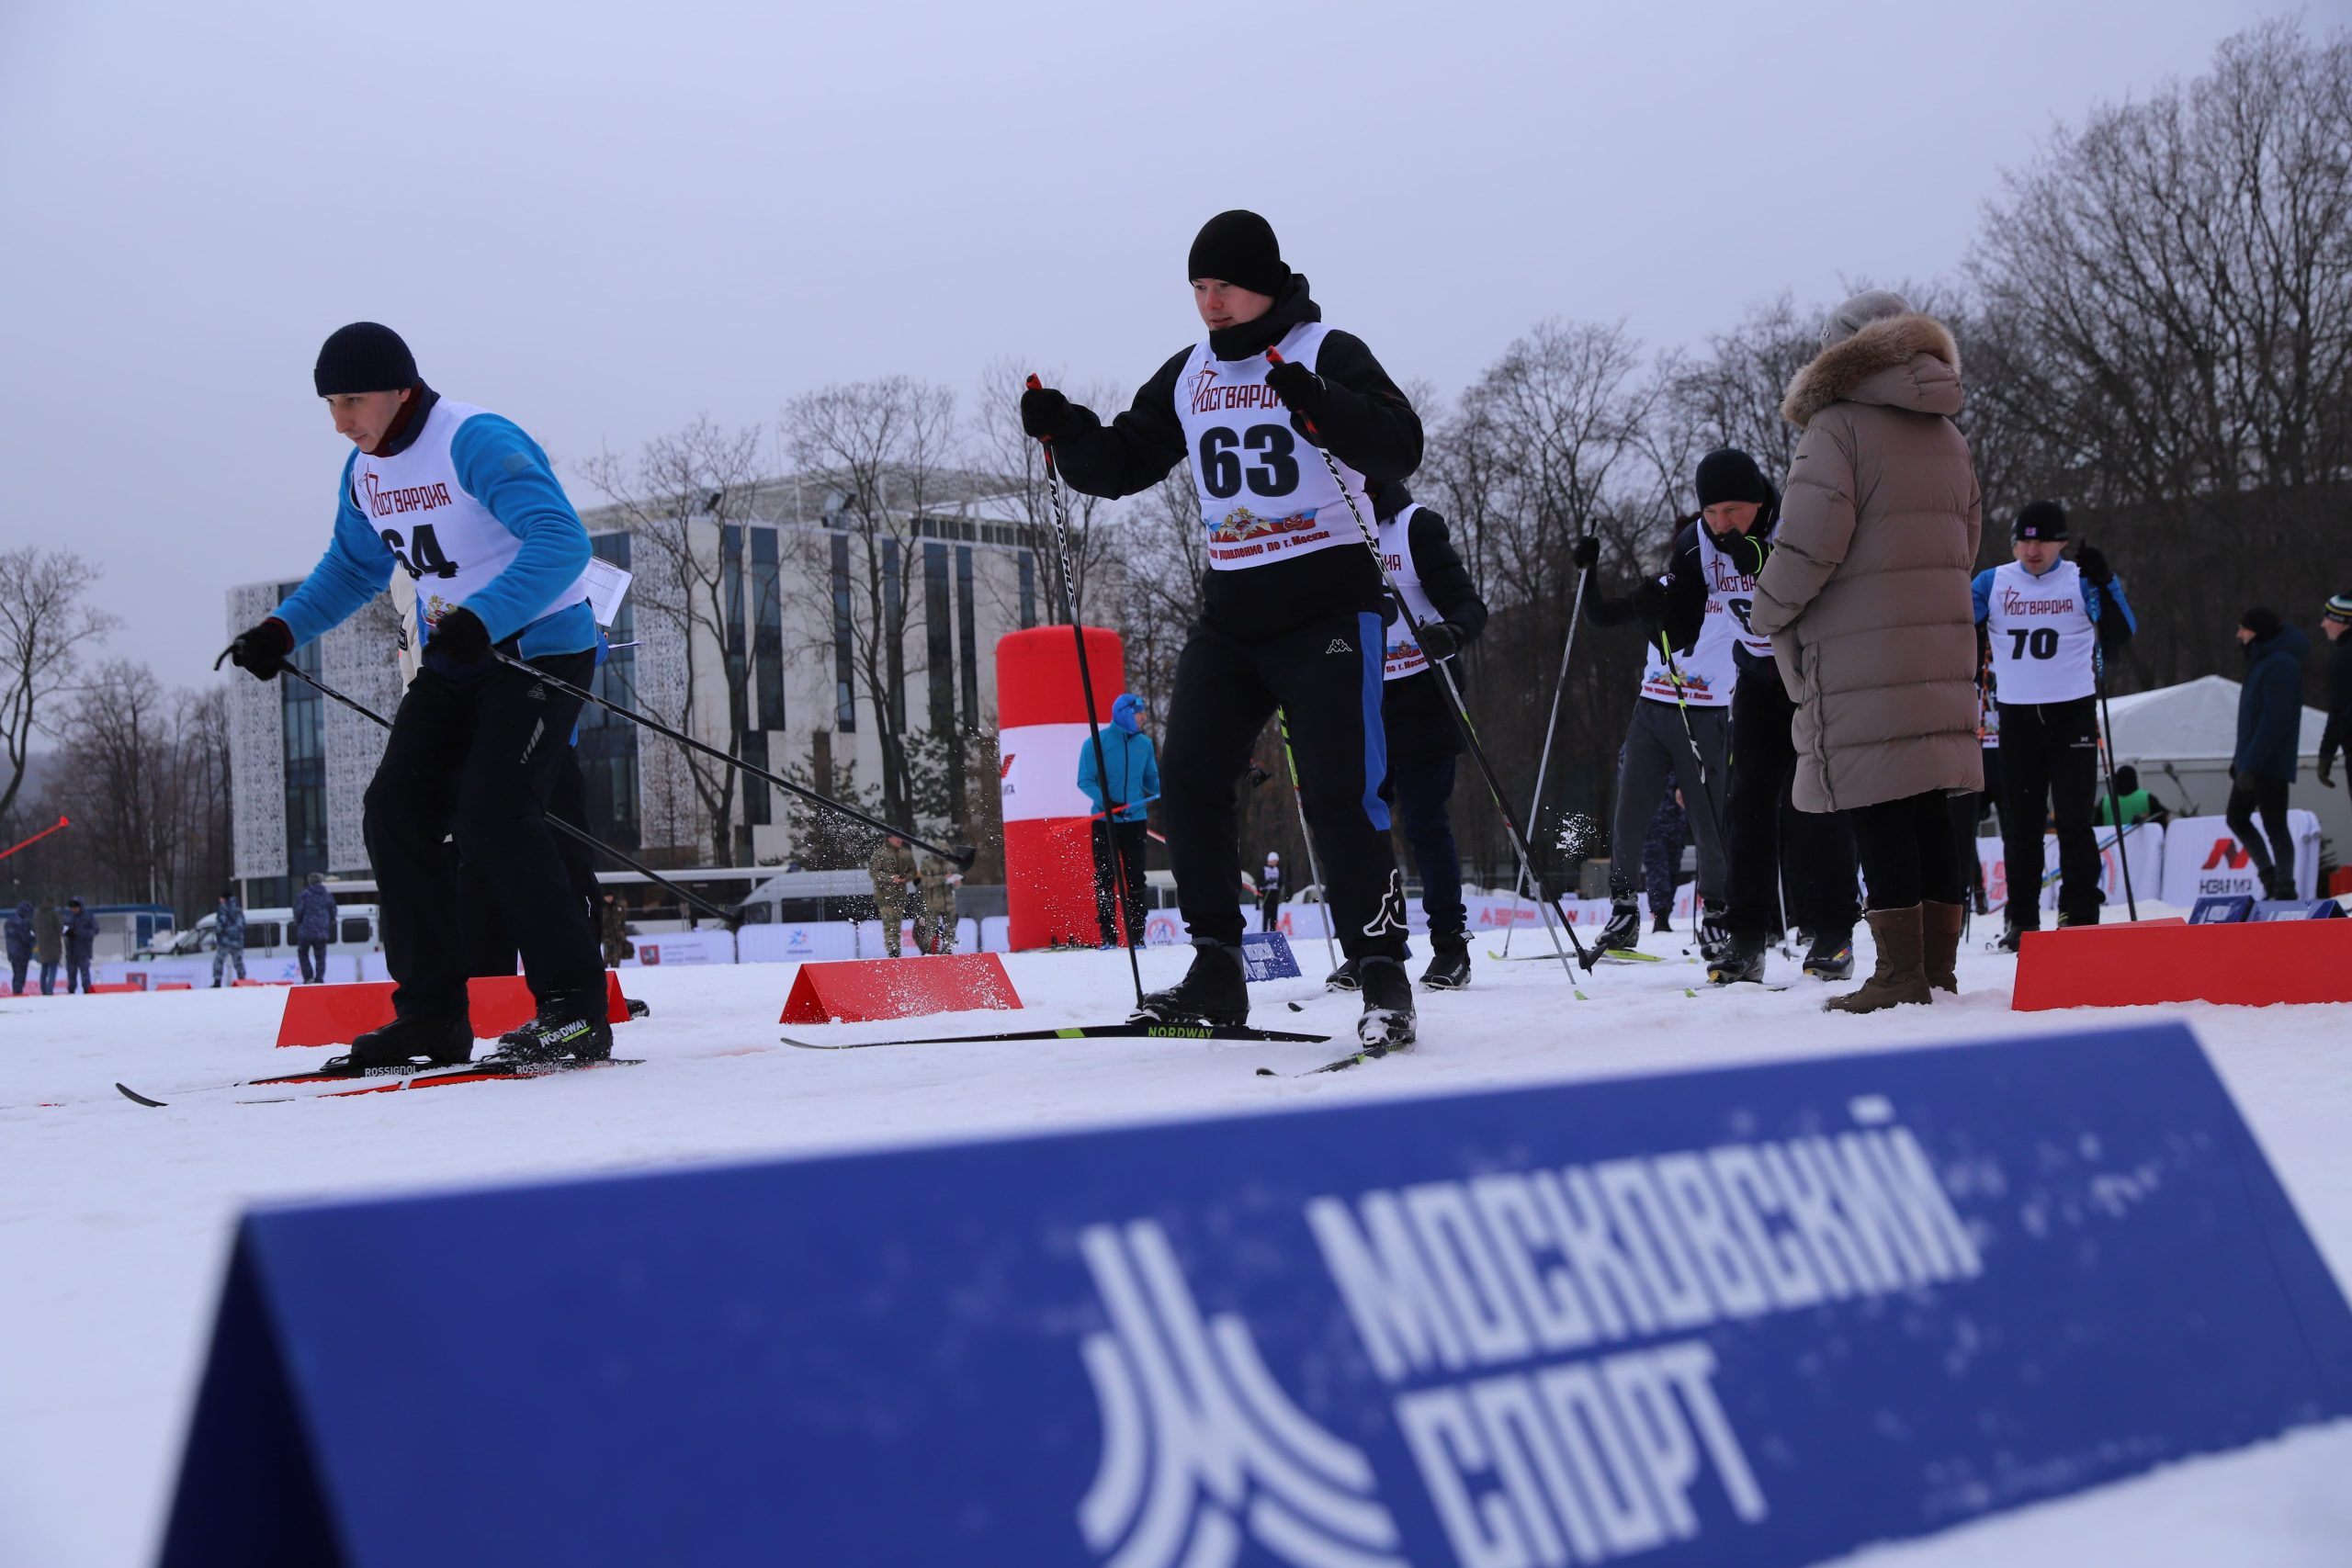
(1980, 590)
(357, 565)
(506, 471)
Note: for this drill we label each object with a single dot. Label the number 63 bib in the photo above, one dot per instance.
(1265, 493)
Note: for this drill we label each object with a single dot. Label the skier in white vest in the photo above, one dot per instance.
(2045, 621)
(1292, 607)
(470, 508)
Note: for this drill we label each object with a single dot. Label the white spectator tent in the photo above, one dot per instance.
(2181, 738)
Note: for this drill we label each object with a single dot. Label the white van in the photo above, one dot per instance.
(269, 934)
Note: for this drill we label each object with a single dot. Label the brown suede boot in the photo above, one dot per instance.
(1940, 928)
(1901, 975)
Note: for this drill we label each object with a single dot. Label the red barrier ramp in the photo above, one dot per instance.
(333, 1015)
(116, 988)
(855, 991)
(2135, 965)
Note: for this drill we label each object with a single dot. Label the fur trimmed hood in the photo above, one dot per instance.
(1905, 362)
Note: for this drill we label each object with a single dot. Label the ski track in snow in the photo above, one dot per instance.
(115, 1219)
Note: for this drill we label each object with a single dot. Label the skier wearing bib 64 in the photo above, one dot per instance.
(1292, 608)
(470, 508)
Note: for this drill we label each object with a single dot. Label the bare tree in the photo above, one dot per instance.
(999, 447)
(43, 625)
(687, 498)
(123, 773)
(883, 447)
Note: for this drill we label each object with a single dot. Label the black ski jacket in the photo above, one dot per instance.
(1414, 711)
(1365, 423)
(1685, 584)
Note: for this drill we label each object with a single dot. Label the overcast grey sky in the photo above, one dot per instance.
(602, 220)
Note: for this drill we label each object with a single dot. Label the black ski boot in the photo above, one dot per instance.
(565, 1027)
(1387, 1022)
(1740, 961)
(1712, 938)
(407, 1043)
(2279, 882)
(1215, 991)
(2011, 935)
(1831, 956)
(1449, 967)
(1343, 978)
(1623, 932)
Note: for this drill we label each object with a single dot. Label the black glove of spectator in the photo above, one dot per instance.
(1439, 641)
(260, 650)
(1650, 601)
(1042, 410)
(2094, 566)
(459, 635)
(1586, 553)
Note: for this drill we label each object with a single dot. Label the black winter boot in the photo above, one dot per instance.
(1387, 1022)
(1215, 991)
(1449, 967)
(407, 1042)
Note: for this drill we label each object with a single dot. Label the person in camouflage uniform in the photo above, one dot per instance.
(937, 933)
(1662, 853)
(892, 868)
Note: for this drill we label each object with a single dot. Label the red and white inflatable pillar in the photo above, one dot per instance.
(1040, 720)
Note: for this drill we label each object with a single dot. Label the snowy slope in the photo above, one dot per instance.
(115, 1220)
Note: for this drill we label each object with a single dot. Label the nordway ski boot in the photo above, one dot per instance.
(1831, 956)
(1343, 978)
(1623, 932)
(406, 1041)
(1387, 1022)
(1215, 991)
(1739, 962)
(564, 1027)
(1449, 967)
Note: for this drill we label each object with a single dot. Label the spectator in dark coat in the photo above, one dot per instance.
(81, 943)
(48, 946)
(313, 926)
(227, 936)
(2335, 624)
(20, 946)
(2271, 726)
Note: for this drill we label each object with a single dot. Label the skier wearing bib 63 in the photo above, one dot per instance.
(468, 506)
(1292, 607)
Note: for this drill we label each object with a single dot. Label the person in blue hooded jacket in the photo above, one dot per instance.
(20, 946)
(2270, 728)
(1121, 820)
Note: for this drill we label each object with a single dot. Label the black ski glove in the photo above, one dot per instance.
(1301, 390)
(2094, 568)
(1650, 600)
(1586, 553)
(459, 635)
(1042, 412)
(260, 650)
(1439, 641)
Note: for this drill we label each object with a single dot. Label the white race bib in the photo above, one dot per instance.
(2041, 635)
(1708, 672)
(1404, 656)
(1265, 495)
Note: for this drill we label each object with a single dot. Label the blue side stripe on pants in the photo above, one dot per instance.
(1371, 646)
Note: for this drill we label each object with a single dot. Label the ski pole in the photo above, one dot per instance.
(2107, 756)
(1086, 685)
(580, 835)
(1715, 817)
(1460, 710)
(1281, 722)
(962, 854)
(60, 824)
(1543, 762)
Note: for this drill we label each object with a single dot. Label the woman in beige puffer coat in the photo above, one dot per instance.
(1866, 599)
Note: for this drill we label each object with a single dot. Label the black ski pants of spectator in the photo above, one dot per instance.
(1908, 855)
(1820, 844)
(1326, 677)
(2050, 754)
(2269, 796)
(477, 757)
(1113, 890)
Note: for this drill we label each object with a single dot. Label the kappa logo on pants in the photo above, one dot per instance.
(1339, 645)
(1390, 916)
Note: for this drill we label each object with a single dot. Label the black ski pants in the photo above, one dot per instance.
(2249, 794)
(490, 946)
(1656, 744)
(1820, 846)
(477, 758)
(1326, 675)
(2049, 763)
(1110, 891)
(1908, 854)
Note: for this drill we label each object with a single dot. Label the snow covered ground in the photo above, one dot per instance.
(115, 1220)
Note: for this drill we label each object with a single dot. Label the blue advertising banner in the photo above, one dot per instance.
(1758, 1315)
(2220, 908)
(1266, 955)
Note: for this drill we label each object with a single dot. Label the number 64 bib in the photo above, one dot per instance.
(1265, 493)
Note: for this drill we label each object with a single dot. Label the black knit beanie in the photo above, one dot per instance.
(364, 357)
(1729, 474)
(2263, 623)
(2039, 520)
(1238, 247)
